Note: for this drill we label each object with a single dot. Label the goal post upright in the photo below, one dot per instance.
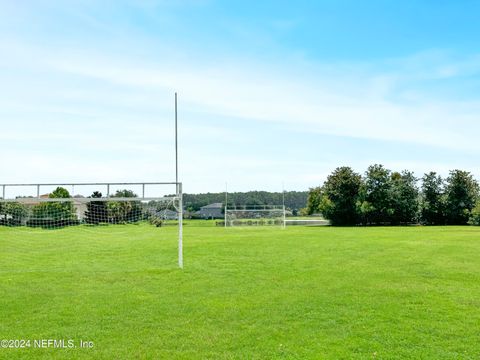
(180, 225)
(179, 192)
(283, 205)
(225, 217)
(226, 204)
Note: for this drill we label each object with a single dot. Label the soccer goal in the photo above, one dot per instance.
(255, 215)
(56, 206)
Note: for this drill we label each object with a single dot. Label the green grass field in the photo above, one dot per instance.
(245, 293)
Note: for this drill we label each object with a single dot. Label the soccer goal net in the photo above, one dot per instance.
(255, 215)
(56, 206)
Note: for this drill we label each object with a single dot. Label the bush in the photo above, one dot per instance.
(475, 215)
(12, 214)
(156, 221)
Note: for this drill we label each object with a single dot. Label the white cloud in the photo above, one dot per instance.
(360, 109)
(120, 100)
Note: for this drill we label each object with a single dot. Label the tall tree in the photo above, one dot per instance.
(374, 203)
(339, 196)
(124, 211)
(461, 194)
(313, 200)
(404, 197)
(97, 211)
(55, 214)
(432, 202)
(59, 193)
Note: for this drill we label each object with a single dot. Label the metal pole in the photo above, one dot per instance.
(3, 197)
(176, 140)
(179, 193)
(283, 202)
(180, 227)
(226, 202)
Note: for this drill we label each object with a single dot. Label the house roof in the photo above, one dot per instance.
(213, 206)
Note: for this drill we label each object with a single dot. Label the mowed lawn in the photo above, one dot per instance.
(245, 293)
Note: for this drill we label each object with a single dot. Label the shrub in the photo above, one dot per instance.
(475, 215)
(156, 221)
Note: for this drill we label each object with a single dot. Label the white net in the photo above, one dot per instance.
(59, 208)
(255, 215)
(84, 206)
(57, 214)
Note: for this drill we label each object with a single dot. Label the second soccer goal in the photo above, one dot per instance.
(255, 215)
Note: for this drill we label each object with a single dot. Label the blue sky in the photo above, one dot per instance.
(270, 92)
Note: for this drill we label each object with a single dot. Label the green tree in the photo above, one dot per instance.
(461, 194)
(404, 195)
(97, 211)
(124, 211)
(475, 215)
(55, 213)
(375, 205)
(12, 213)
(339, 196)
(293, 199)
(432, 201)
(313, 200)
(59, 193)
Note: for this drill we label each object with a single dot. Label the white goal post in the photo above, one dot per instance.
(255, 215)
(90, 204)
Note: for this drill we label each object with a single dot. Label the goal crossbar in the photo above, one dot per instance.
(107, 186)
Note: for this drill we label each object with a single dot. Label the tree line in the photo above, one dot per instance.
(294, 200)
(385, 197)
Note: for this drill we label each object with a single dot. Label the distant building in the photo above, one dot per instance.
(165, 214)
(212, 211)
